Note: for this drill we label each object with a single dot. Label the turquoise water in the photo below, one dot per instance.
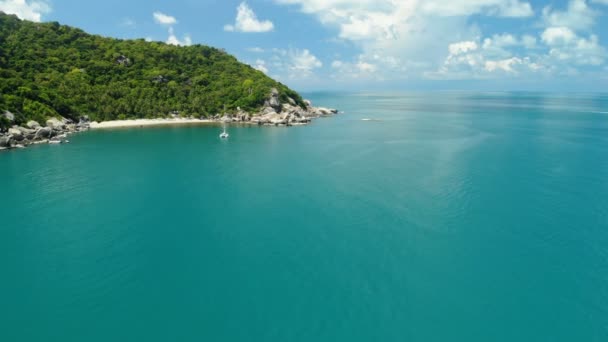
(454, 217)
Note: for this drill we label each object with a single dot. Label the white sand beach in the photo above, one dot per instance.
(145, 122)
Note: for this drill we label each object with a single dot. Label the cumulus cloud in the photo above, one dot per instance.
(557, 36)
(374, 67)
(168, 20)
(295, 64)
(462, 47)
(302, 61)
(567, 46)
(506, 65)
(440, 38)
(164, 19)
(260, 65)
(415, 33)
(489, 58)
(28, 10)
(173, 40)
(578, 16)
(247, 21)
(501, 8)
(568, 35)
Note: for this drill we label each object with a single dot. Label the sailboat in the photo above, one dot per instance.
(224, 134)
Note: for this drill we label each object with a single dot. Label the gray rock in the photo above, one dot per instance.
(55, 123)
(324, 111)
(44, 133)
(5, 141)
(9, 116)
(16, 134)
(28, 134)
(273, 101)
(123, 60)
(15, 131)
(32, 124)
(302, 120)
(268, 110)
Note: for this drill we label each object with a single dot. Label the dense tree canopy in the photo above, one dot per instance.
(47, 69)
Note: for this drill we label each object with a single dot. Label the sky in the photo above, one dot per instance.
(502, 45)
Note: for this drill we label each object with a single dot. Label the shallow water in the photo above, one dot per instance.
(447, 217)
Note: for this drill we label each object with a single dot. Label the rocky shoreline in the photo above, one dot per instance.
(56, 131)
(276, 114)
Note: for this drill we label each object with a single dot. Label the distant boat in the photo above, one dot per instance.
(224, 134)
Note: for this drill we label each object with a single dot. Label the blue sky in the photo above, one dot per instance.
(559, 45)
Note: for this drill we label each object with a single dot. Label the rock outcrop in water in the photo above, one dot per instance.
(275, 114)
(55, 132)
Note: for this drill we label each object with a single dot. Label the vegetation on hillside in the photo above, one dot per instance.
(48, 69)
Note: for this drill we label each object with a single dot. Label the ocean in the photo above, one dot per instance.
(447, 216)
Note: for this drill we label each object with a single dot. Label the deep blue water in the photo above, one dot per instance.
(450, 217)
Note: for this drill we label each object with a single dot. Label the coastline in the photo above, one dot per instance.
(56, 131)
(146, 123)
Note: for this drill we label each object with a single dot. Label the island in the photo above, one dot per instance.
(56, 80)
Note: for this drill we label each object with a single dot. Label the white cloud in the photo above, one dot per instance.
(261, 66)
(560, 51)
(415, 32)
(164, 19)
(374, 67)
(567, 47)
(528, 41)
(501, 8)
(558, 35)
(602, 2)
(500, 46)
(247, 21)
(294, 64)
(578, 16)
(462, 47)
(167, 20)
(490, 59)
(504, 65)
(256, 49)
(28, 10)
(366, 67)
(173, 40)
(505, 8)
(303, 61)
(500, 41)
(399, 39)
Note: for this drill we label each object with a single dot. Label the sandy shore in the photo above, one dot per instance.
(145, 122)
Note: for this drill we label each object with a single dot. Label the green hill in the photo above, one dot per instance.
(48, 69)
